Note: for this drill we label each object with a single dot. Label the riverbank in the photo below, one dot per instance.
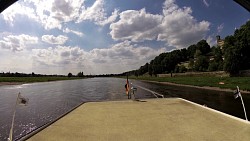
(212, 83)
(23, 80)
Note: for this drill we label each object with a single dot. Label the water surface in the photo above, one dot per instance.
(50, 100)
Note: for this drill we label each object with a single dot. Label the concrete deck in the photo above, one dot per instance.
(151, 120)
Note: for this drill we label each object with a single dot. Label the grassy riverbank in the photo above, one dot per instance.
(34, 79)
(220, 82)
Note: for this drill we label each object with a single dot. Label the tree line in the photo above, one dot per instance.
(232, 57)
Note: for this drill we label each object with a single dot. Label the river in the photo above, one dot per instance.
(50, 100)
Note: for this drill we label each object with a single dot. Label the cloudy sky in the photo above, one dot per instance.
(107, 36)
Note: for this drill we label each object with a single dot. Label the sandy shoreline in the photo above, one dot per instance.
(10, 83)
(198, 87)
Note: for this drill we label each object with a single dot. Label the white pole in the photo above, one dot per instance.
(242, 103)
(13, 120)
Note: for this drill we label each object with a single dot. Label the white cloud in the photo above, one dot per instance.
(205, 3)
(17, 43)
(220, 28)
(136, 26)
(176, 26)
(122, 57)
(51, 39)
(179, 28)
(53, 14)
(61, 59)
(110, 19)
(97, 14)
(116, 59)
(15, 62)
(78, 33)
(211, 41)
(18, 8)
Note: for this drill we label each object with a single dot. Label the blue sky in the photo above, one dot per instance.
(107, 36)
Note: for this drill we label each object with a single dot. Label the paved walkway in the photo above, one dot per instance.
(147, 120)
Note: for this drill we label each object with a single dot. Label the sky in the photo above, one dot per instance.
(107, 36)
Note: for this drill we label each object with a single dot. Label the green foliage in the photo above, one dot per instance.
(236, 53)
(203, 46)
(213, 66)
(229, 82)
(232, 60)
(237, 50)
(201, 63)
(180, 69)
(80, 74)
(70, 74)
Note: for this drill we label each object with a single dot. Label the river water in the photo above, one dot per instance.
(50, 100)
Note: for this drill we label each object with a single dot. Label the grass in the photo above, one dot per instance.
(229, 82)
(35, 79)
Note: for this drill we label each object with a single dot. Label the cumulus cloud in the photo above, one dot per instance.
(78, 33)
(220, 28)
(110, 19)
(136, 26)
(52, 14)
(17, 43)
(179, 27)
(51, 39)
(11, 13)
(122, 57)
(211, 40)
(205, 3)
(115, 59)
(176, 26)
(97, 14)
(59, 59)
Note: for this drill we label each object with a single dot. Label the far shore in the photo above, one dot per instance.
(198, 87)
(165, 83)
(11, 83)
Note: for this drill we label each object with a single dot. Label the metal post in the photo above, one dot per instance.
(242, 103)
(13, 120)
(128, 89)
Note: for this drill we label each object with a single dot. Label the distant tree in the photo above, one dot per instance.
(191, 51)
(80, 74)
(191, 64)
(213, 66)
(203, 46)
(232, 60)
(201, 63)
(70, 74)
(33, 74)
(236, 50)
(197, 53)
(180, 69)
(150, 69)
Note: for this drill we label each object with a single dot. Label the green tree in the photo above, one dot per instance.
(203, 46)
(191, 51)
(237, 50)
(201, 63)
(232, 60)
(80, 74)
(70, 74)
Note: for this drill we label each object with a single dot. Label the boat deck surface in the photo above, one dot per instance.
(171, 119)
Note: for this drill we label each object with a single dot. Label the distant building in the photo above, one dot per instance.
(220, 42)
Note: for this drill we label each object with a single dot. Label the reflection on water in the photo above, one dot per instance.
(219, 100)
(47, 101)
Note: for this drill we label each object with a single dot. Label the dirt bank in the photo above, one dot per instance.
(10, 83)
(198, 87)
